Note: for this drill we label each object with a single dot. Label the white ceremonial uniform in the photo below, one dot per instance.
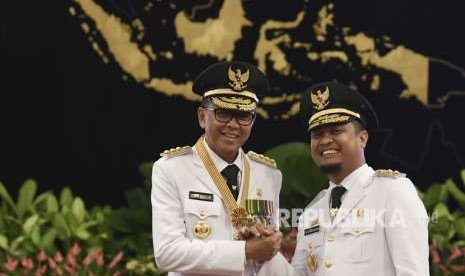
(183, 193)
(380, 229)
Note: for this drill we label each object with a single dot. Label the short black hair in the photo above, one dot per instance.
(359, 126)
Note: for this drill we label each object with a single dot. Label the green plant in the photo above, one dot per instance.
(132, 225)
(143, 266)
(447, 227)
(42, 221)
(302, 179)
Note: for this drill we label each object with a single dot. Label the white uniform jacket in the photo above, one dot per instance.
(380, 229)
(175, 211)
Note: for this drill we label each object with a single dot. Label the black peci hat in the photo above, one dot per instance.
(333, 103)
(232, 85)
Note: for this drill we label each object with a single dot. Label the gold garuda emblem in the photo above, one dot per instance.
(238, 80)
(320, 99)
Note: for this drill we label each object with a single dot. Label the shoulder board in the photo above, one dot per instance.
(389, 173)
(260, 158)
(319, 196)
(176, 151)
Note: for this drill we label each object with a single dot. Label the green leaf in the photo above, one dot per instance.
(40, 199)
(71, 220)
(3, 242)
(66, 197)
(2, 221)
(52, 204)
(82, 234)
(30, 223)
(62, 229)
(78, 209)
(462, 174)
(442, 211)
(456, 193)
(7, 198)
(459, 226)
(35, 235)
(138, 199)
(460, 243)
(48, 239)
(440, 241)
(432, 196)
(146, 169)
(16, 242)
(26, 195)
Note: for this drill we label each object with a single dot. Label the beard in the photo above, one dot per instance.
(332, 168)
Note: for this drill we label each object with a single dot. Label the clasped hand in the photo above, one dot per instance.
(262, 242)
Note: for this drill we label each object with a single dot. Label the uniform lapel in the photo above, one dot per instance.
(354, 196)
(326, 218)
(202, 175)
(252, 179)
(322, 207)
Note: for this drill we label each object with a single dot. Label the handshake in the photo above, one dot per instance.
(262, 241)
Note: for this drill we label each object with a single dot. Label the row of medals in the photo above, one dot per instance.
(239, 218)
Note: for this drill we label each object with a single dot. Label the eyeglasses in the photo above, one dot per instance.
(225, 116)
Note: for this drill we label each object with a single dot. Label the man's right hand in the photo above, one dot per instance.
(263, 248)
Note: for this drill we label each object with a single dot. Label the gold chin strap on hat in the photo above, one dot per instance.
(237, 212)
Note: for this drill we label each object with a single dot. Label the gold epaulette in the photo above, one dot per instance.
(389, 173)
(176, 151)
(262, 159)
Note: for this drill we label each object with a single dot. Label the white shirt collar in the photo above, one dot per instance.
(219, 162)
(349, 181)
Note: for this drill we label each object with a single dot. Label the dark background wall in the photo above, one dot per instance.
(69, 119)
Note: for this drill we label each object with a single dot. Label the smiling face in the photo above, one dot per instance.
(224, 139)
(338, 149)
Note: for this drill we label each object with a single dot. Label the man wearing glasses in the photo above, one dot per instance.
(215, 208)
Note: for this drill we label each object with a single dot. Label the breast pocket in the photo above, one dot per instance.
(201, 218)
(360, 243)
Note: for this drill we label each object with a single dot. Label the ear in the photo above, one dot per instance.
(201, 117)
(363, 136)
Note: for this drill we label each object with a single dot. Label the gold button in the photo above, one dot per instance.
(328, 263)
(357, 231)
(330, 238)
(202, 213)
(259, 192)
(360, 212)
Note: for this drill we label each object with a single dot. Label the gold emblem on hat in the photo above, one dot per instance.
(312, 262)
(238, 79)
(202, 229)
(320, 99)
